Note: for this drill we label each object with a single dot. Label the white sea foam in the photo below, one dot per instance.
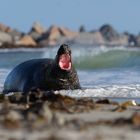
(3, 74)
(22, 50)
(93, 89)
(128, 91)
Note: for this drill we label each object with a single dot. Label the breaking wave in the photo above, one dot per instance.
(90, 57)
(122, 91)
(103, 57)
(84, 57)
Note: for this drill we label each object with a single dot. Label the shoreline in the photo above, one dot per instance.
(51, 116)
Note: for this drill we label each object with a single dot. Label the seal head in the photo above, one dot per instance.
(63, 57)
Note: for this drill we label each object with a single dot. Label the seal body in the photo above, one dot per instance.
(44, 74)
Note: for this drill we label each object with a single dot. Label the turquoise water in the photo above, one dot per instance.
(103, 71)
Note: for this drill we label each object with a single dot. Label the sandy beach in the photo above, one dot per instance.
(41, 116)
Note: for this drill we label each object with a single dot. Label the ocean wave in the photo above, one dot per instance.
(6, 50)
(115, 91)
(84, 57)
(107, 58)
(3, 74)
(91, 57)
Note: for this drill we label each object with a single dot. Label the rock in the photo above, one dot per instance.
(95, 38)
(103, 101)
(5, 28)
(67, 36)
(109, 33)
(136, 119)
(112, 37)
(26, 40)
(56, 35)
(50, 37)
(137, 41)
(45, 112)
(82, 28)
(12, 120)
(16, 35)
(13, 116)
(67, 33)
(37, 30)
(132, 41)
(129, 103)
(121, 41)
(34, 35)
(8, 35)
(5, 37)
(46, 43)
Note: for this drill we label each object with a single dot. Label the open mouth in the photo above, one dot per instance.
(65, 62)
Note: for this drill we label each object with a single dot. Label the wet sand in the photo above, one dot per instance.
(49, 116)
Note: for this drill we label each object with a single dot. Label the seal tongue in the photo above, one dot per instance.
(65, 62)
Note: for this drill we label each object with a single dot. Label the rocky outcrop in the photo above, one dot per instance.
(67, 33)
(138, 41)
(50, 37)
(95, 38)
(26, 41)
(133, 40)
(37, 30)
(112, 37)
(109, 33)
(38, 36)
(5, 28)
(8, 35)
(54, 35)
(5, 38)
(82, 28)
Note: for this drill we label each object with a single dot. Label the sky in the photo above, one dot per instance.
(123, 15)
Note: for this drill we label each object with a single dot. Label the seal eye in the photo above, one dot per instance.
(65, 62)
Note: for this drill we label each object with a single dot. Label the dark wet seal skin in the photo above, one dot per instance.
(44, 74)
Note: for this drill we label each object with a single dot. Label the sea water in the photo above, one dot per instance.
(103, 71)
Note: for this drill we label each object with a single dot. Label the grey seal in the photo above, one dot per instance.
(44, 74)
